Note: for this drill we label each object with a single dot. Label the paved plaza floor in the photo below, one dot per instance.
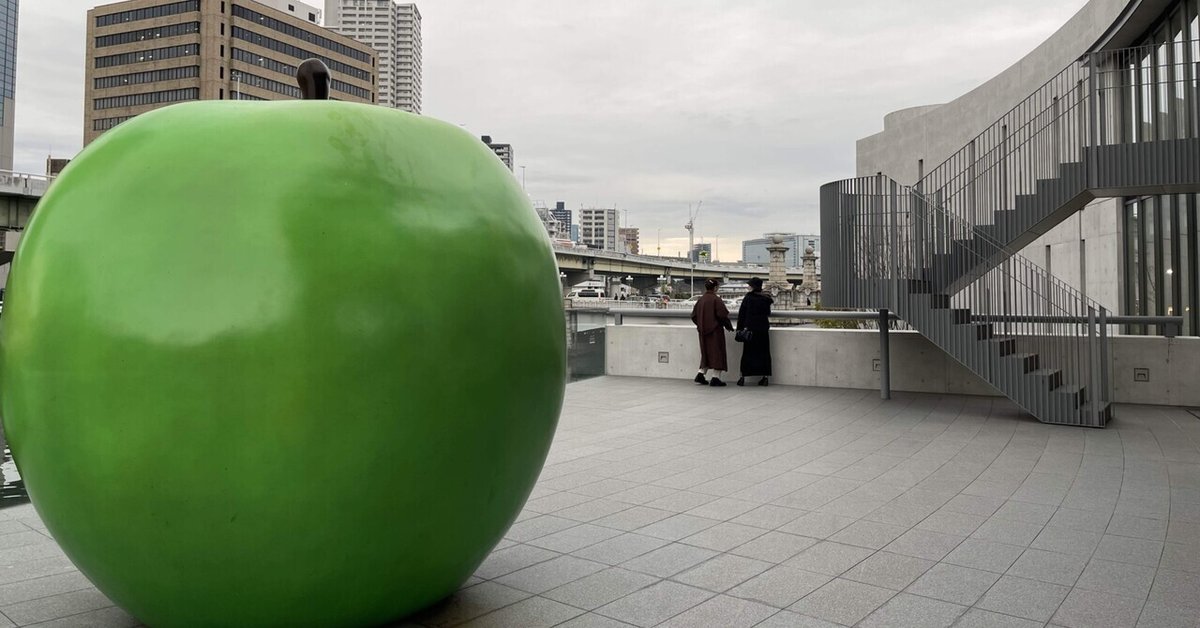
(666, 503)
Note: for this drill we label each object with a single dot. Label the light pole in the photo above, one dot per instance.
(522, 177)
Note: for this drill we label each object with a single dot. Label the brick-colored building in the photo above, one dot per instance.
(146, 54)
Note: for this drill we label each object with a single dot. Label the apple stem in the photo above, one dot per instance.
(313, 77)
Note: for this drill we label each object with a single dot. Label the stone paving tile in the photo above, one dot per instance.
(1067, 541)
(818, 525)
(576, 538)
(788, 619)
(1117, 578)
(510, 559)
(1176, 588)
(632, 518)
(724, 536)
(1081, 520)
(1038, 514)
(887, 570)
(1046, 566)
(55, 606)
(1138, 527)
(769, 516)
(952, 583)
(1123, 549)
(1180, 557)
(843, 601)
(725, 611)
(722, 573)
(985, 555)
(977, 618)
(669, 560)
(111, 617)
(924, 544)
(1090, 609)
(1020, 597)
(600, 588)
(774, 547)
(542, 577)
(1159, 615)
(1007, 531)
(654, 604)
(468, 603)
(780, 586)
(950, 522)
(829, 558)
(592, 620)
(677, 527)
(868, 534)
(906, 610)
(534, 612)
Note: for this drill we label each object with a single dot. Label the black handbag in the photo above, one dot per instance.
(743, 335)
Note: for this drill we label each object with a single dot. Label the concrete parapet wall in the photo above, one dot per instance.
(843, 358)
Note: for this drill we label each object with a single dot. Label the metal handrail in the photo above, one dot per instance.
(620, 313)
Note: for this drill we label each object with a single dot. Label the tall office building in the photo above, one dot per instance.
(8, 65)
(561, 212)
(503, 151)
(146, 54)
(598, 227)
(394, 31)
(629, 238)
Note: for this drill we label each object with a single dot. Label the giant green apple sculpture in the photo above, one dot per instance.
(281, 364)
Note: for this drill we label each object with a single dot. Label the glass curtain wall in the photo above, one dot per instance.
(1163, 102)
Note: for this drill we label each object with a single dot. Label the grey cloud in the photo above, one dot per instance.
(647, 104)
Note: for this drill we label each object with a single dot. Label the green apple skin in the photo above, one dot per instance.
(281, 364)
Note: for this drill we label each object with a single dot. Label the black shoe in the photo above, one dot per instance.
(700, 379)
(741, 381)
(762, 382)
(716, 382)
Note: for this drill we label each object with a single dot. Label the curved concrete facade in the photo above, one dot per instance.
(1085, 249)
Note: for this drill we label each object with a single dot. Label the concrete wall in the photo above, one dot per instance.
(845, 359)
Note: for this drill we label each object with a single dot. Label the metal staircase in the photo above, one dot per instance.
(943, 254)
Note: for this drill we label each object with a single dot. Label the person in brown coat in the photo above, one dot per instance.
(712, 319)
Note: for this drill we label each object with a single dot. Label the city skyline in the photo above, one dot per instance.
(642, 107)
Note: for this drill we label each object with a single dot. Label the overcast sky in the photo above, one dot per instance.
(648, 105)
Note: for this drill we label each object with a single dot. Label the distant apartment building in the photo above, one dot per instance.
(755, 251)
(146, 54)
(628, 237)
(701, 252)
(598, 227)
(394, 30)
(8, 67)
(561, 212)
(503, 151)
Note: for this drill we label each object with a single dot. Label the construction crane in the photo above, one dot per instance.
(691, 225)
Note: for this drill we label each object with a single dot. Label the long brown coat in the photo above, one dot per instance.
(712, 319)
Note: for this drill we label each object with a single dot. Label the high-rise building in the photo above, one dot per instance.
(503, 151)
(629, 239)
(561, 212)
(598, 227)
(8, 65)
(701, 252)
(394, 31)
(755, 251)
(146, 54)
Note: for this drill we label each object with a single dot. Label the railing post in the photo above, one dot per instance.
(885, 363)
(1105, 382)
(1093, 134)
(1093, 397)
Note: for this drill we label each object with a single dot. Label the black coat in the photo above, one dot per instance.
(755, 315)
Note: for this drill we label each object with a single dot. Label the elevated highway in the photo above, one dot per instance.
(580, 264)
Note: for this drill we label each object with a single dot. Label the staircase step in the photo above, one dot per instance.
(1086, 413)
(1053, 377)
(1028, 361)
(920, 286)
(1005, 346)
(960, 316)
(1076, 394)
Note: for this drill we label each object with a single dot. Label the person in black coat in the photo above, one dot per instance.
(754, 315)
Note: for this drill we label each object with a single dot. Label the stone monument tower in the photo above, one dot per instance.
(777, 283)
(810, 289)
